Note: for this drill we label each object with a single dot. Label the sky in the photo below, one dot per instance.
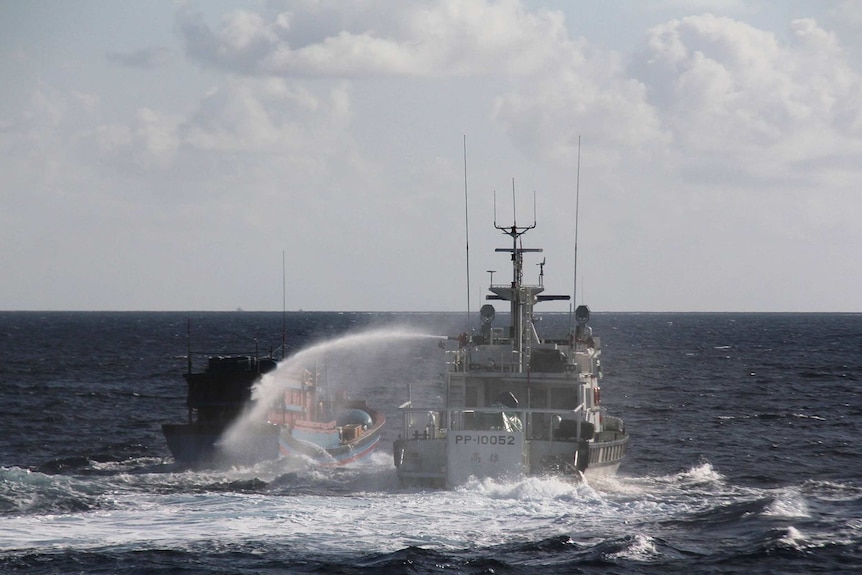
(355, 156)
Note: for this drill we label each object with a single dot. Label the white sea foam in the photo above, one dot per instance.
(641, 548)
(794, 538)
(703, 473)
(532, 489)
(788, 502)
(362, 509)
(325, 510)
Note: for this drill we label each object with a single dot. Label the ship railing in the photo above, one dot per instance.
(202, 358)
(232, 353)
(504, 360)
(537, 423)
(507, 286)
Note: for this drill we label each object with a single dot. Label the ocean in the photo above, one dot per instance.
(744, 454)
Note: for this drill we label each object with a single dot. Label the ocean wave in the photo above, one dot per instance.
(839, 491)
(25, 492)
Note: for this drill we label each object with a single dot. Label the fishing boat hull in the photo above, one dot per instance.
(216, 397)
(199, 444)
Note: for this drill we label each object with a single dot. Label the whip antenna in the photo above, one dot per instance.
(514, 206)
(467, 227)
(577, 207)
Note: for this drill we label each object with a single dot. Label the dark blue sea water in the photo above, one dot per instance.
(745, 454)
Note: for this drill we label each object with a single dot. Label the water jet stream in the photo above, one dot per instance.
(371, 344)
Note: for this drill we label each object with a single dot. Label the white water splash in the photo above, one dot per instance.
(641, 548)
(700, 474)
(794, 538)
(788, 503)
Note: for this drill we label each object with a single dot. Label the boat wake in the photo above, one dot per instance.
(302, 512)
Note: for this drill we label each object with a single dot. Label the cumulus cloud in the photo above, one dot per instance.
(702, 90)
(586, 93)
(555, 87)
(725, 89)
(254, 115)
(445, 38)
(703, 84)
(700, 6)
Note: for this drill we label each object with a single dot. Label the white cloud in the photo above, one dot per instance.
(446, 38)
(701, 6)
(558, 88)
(586, 94)
(727, 90)
(333, 130)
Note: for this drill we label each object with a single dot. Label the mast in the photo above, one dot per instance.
(521, 297)
(189, 342)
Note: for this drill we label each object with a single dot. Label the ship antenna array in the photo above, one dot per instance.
(515, 232)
